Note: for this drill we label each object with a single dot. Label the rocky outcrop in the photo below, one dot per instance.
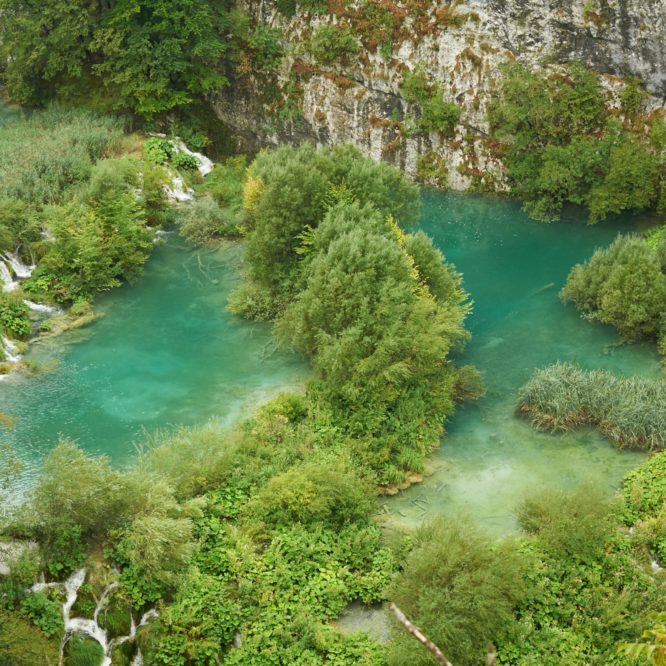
(460, 46)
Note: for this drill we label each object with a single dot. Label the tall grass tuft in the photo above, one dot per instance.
(47, 153)
(630, 412)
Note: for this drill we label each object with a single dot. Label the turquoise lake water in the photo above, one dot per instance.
(514, 268)
(166, 352)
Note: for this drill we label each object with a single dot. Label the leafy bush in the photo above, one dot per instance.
(158, 150)
(573, 526)
(559, 145)
(185, 162)
(14, 316)
(149, 62)
(630, 412)
(322, 490)
(331, 44)
(44, 613)
(267, 49)
(623, 285)
(204, 221)
(461, 590)
(76, 492)
(436, 114)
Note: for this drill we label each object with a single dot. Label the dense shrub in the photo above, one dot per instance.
(560, 145)
(115, 58)
(623, 285)
(14, 316)
(204, 221)
(460, 590)
(322, 490)
(630, 412)
(333, 44)
(436, 115)
(574, 526)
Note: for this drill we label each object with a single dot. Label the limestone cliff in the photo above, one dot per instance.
(460, 46)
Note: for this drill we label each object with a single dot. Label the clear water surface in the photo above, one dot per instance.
(164, 352)
(167, 352)
(514, 268)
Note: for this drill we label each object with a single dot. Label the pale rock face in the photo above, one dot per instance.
(361, 103)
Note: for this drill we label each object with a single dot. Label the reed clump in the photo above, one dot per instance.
(630, 412)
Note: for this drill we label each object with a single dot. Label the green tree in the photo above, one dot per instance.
(146, 56)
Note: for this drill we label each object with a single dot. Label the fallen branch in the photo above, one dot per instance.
(433, 649)
(419, 635)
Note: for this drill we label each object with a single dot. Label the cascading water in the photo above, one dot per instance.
(178, 192)
(91, 627)
(42, 308)
(10, 351)
(21, 270)
(8, 282)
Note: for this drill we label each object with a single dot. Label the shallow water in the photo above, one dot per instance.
(514, 268)
(165, 352)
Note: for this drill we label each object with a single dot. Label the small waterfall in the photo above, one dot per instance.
(42, 308)
(205, 164)
(90, 627)
(11, 350)
(177, 191)
(8, 282)
(20, 269)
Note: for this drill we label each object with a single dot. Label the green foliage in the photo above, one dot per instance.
(198, 625)
(436, 114)
(460, 590)
(267, 49)
(623, 285)
(630, 412)
(21, 644)
(322, 490)
(14, 316)
(63, 548)
(148, 58)
(296, 186)
(44, 613)
(76, 496)
(100, 239)
(204, 221)
(333, 44)
(652, 649)
(185, 162)
(44, 156)
(573, 526)
(82, 651)
(560, 147)
(158, 150)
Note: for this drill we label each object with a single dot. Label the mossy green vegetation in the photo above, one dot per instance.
(562, 144)
(624, 285)
(376, 309)
(629, 411)
(435, 115)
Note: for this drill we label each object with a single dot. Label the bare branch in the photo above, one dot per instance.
(419, 635)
